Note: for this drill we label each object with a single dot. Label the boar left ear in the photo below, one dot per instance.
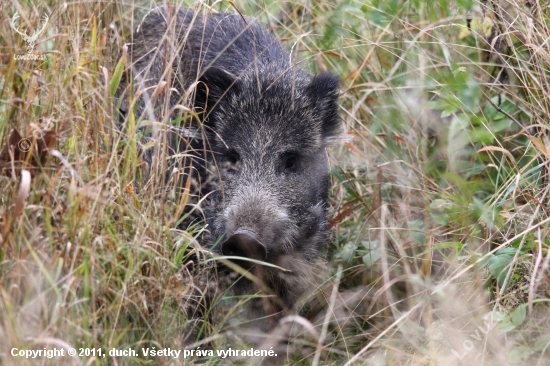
(324, 92)
(213, 85)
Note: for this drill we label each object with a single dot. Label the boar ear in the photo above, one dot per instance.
(324, 91)
(213, 85)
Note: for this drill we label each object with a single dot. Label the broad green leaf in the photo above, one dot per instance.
(117, 75)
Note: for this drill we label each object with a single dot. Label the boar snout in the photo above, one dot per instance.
(244, 243)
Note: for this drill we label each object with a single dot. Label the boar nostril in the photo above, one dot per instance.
(244, 243)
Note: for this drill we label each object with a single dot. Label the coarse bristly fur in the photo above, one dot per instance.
(257, 148)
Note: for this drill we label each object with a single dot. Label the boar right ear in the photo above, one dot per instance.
(213, 85)
(324, 90)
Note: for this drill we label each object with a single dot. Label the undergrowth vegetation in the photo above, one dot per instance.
(440, 194)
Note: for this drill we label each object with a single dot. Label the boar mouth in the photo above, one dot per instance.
(244, 243)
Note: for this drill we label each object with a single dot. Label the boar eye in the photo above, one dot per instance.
(290, 161)
(233, 157)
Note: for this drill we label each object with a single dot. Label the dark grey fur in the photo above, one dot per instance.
(258, 147)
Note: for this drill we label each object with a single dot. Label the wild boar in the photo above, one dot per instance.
(257, 148)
